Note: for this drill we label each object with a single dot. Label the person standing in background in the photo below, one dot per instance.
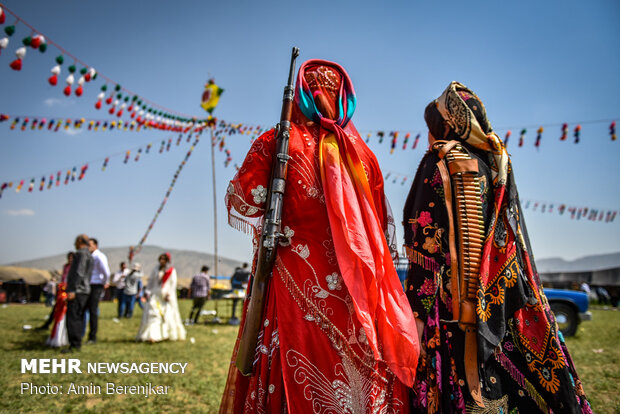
(98, 283)
(118, 286)
(200, 288)
(78, 290)
(133, 286)
(161, 319)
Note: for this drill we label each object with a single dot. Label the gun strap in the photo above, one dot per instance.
(459, 173)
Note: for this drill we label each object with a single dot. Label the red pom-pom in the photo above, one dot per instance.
(2, 16)
(98, 104)
(53, 80)
(16, 64)
(119, 113)
(67, 90)
(111, 111)
(36, 42)
(109, 100)
(79, 90)
(87, 77)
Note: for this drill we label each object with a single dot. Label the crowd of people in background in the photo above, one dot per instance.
(86, 279)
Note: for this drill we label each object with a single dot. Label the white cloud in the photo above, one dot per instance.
(52, 101)
(21, 212)
(58, 102)
(73, 131)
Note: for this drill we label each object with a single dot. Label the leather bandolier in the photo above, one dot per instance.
(461, 184)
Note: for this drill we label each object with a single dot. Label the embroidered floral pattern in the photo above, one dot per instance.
(334, 281)
(260, 194)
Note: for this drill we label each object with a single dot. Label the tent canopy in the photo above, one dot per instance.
(30, 275)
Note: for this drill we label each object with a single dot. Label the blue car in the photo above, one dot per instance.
(570, 308)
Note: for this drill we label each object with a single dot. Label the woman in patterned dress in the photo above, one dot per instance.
(523, 365)
(338, 334)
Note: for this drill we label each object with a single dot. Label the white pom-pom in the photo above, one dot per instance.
(81, 80)
(92, 72)
(101, 95)
(56, 70)
(21, 52)
(70, 79)
(4, 42)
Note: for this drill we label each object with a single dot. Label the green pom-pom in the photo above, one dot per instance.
(83, 71)
(119, 96)
(117, 88)
(144, 107)
(126, 99)
(60, 59)
(135, 98)
(72, 69)
(104, 88)
(27, 41)
(9, 30)
(94, 76)
(140, 102)
(43, 47)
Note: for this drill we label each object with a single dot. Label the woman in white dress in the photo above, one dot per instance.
(161, 319)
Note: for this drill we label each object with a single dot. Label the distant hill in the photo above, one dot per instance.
(583, 264)
(187, 262)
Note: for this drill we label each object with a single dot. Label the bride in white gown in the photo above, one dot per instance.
(161, 319)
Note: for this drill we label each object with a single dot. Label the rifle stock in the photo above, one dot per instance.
(271, 232)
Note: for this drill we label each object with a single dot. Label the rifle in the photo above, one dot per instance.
(271, 234)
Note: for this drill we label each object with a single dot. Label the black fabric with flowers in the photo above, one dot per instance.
(508, 386)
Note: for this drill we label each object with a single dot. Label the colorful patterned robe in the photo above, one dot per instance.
(523, 373)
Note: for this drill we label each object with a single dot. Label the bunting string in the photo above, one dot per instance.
(72, 173)
(119, 99)
(55, 124)
(135, 250)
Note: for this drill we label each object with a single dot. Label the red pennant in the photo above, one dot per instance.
(53, 80)
(16, 64)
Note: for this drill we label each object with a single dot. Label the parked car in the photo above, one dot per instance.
(570, 308)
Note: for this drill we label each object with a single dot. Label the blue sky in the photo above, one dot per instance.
(532, 63)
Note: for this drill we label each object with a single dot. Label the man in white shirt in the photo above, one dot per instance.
(118, 283)
(98, 283)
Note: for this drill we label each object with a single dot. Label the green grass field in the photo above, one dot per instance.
(595, 351)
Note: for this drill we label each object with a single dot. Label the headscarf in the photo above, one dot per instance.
(361, 249)
(509, 286)
(464, 113)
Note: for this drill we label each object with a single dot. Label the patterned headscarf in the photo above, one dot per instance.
(328, 81)
(466, 116)
(355, 219)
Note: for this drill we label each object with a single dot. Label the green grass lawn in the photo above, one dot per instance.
(595, 351)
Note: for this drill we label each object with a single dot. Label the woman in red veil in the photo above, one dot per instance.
(338, 334)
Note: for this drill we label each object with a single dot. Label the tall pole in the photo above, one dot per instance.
(216, 259)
